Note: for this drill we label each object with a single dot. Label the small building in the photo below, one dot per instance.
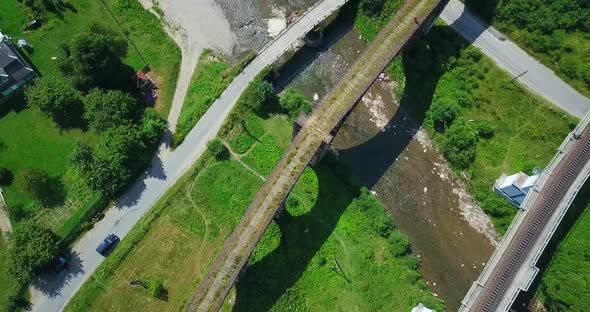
(15, 71)
(421, 308)
(145, 85)
(515, 187)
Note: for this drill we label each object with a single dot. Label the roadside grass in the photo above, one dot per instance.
(291, 266)
(210, 79)
(9, 284)
(527, 129)
(563, 285)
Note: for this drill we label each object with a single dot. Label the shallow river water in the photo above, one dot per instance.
(397, 161)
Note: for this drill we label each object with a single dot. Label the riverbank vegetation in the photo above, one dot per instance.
(338, 243)
(483, 123)
(555, 32)
(78, 47)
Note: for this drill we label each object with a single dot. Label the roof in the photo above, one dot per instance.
(421, 308)
(13, 67)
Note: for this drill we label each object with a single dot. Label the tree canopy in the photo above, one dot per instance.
(460, 143)
(57, 98)
(93, 58)
(33, 248)
(294, 102)
(106, 109)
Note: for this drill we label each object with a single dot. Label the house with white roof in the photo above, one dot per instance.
(515, 187)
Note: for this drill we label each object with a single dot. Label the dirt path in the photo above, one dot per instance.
(194, 25)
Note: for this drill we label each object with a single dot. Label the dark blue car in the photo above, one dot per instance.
(107, 244)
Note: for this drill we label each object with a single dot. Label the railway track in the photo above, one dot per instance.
(553, 192)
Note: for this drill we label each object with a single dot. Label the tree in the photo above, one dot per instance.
(294, 102)
(56, 98)
(443, 112)
(156, 288)
(5, 176)
(152, 127)
(459, 144)
(38, 185)
(218, 149)
(372, 7)
(106, 109)
(33, 247)
(93, 58)
(258, 95)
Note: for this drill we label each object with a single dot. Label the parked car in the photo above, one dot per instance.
(107, 244)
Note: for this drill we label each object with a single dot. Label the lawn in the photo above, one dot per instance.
(328, 218)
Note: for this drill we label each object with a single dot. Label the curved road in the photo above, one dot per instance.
(51, 293)
(508, 56)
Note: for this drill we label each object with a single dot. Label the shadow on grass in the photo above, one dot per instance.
(424, 62)
(267, 280)
(524, 299)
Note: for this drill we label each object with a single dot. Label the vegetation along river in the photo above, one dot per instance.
(397, 161)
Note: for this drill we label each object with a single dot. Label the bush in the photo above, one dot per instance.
(218, 149)
(485, 129)
(5, 176)
(156, 288)
(443, 112)
(259, 96)
(294, 102)
(459, 144)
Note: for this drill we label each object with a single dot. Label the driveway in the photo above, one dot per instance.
(508, 56)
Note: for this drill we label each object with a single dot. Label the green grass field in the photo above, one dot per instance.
(291, 266)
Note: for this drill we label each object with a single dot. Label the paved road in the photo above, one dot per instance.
(507, 55)
(52, 293)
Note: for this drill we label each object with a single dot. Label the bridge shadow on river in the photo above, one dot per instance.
(266, 280)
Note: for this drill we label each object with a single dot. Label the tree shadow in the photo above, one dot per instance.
(52, 283)
(264, 282)
(577, 208)
(424, 61)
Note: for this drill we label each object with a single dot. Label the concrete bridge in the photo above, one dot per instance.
(312, 134)
(512, 266)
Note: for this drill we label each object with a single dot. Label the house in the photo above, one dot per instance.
(515, 187)
(15, 71)
(421, 308)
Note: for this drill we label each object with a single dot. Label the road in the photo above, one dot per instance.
(50, 294)
(508, 56)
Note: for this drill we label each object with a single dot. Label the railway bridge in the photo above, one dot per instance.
(312, 135)
(512, 266)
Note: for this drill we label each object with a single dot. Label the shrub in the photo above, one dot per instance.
(443, 112)
(459, 144)
(156, 288)
(485, 129)
(259, 95)
(294, 102)
(218, 149)
(5, 176)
